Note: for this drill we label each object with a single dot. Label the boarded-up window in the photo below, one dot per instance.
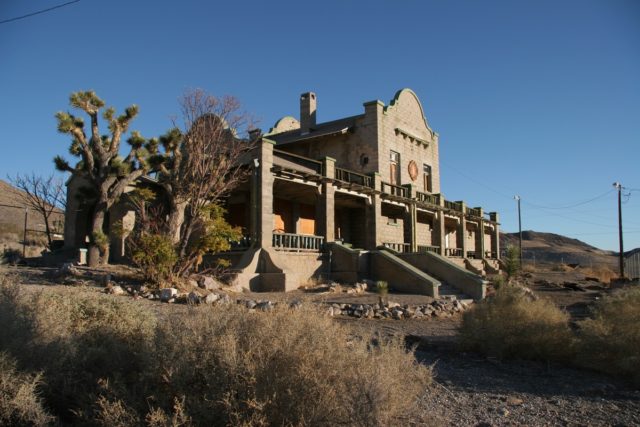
(307, 219)
(282, 216)
(426, 177)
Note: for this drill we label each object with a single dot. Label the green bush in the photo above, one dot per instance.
(156, 256)
(512, 324)
(610, 341)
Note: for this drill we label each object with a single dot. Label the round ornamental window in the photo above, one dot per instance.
(413, 170)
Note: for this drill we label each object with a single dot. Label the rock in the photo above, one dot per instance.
(264, 306)
(193, 283)
(211, 298)
(514, 401)
(114, 290)
(68, 269)
(295, 304)
(209, 283)
(504, 412)
(391, 305)
(397, 314)
(193, 298)
(168, 293)
(250, 304)
(105, 279)
(224, 299)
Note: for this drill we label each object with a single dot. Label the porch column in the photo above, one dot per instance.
(254, 198)
(480, 241)
(462, 230)
(495, 241)
(410, 227)
(440, 229)
(374, 215)
(328, 215)
(266, 193)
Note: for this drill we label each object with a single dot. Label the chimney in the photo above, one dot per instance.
(307, 111)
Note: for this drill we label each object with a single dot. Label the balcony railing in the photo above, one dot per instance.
(424, 249)
(297, 242)
(394, 190)
(433, 199)
(351, 177)
(296, 162)
(474, 212)
(455, 206)
(453, 252)
(398, 247)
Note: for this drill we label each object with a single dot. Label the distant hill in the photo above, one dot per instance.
(554, 248)
(12, 210)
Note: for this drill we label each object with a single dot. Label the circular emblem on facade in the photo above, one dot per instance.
(413, 170)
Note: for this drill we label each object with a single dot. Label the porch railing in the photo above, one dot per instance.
(433, 199)
(472, 254)
(345, 175)
(398, 247)
(293, 160)
(490, 255)
(455, 206)
(297, 242)
(394, 190)
(433, 249)
(453, 252)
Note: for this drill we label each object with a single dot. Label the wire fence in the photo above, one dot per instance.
(28, 223)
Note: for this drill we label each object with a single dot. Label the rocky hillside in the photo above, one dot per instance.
(554, 248)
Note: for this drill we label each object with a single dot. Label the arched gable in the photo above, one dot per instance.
(407, 107)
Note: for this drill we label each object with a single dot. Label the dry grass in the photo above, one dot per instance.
(20, 403)
(106, 361)
(512, 324)
(603, 274)
(610, 341)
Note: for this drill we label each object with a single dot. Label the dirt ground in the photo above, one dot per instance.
(469, 389)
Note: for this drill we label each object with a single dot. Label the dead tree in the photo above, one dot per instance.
(201, 160)
(45, 195)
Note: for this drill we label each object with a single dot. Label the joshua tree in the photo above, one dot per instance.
(106, 173)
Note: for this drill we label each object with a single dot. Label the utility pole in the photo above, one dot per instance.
(24, 235)
(517, 198)
(621, 256)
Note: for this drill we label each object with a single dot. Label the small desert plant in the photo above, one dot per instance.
(610, 341)
(382, 288)
(512, 262)
(20, 403)
(156, 256)
(512, 324)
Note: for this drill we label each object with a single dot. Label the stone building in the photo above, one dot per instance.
(355, 185)
(350, 199)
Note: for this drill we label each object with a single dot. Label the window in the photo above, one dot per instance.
(394, 168)
(426, 178)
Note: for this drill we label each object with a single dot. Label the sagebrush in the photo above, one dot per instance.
(107, 361)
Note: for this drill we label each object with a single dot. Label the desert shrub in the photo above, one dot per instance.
(610, 340)
(604, 274)
(20, 403)
(512, 261)
(512, 324)
(282, 368)
(156, 256)
(11, 256)
(76, 338)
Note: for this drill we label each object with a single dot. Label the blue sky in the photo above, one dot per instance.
(536, 98)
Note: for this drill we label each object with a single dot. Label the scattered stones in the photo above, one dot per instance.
(209, 283)
(167, 294)
(211, 298)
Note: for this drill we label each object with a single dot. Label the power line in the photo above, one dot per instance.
(38, 12)
(584, 202)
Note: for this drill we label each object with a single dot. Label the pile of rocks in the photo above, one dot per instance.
(392, 310)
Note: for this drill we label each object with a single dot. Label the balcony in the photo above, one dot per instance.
(433, 199)
(394, 190)
(454, 206)
(297, 242)
(477, 212)
(345, 175)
